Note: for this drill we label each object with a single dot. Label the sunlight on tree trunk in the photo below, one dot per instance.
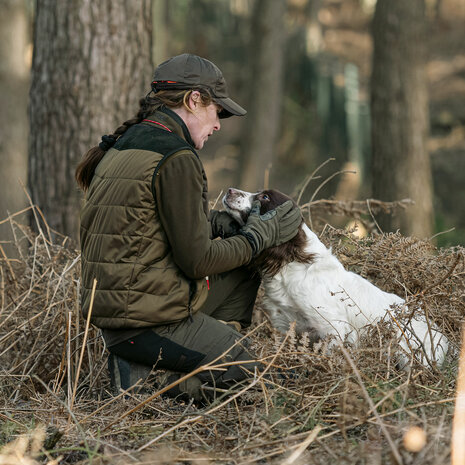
(14, 76)
(399, 114)
(91, 64)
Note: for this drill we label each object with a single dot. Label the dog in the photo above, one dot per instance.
(306, 284)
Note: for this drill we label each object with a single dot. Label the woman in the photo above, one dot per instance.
(163, 283)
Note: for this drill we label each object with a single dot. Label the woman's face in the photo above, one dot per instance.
(202, 121)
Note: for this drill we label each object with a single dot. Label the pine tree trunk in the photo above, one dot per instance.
(399, 114)
(91, 64)
(14, 81)
(264, 108)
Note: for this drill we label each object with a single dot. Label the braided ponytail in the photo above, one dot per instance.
(86, 168)
(169, 98)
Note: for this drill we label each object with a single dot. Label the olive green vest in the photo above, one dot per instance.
(123, 244)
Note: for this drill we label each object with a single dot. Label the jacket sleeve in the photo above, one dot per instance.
(178, 192)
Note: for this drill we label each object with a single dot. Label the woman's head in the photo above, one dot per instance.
(201, 115)
(188, 72)
(194, 106)
(205, 99)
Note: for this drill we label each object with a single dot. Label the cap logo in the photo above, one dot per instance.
(164, 82)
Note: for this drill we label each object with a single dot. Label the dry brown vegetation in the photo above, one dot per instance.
(347, 406)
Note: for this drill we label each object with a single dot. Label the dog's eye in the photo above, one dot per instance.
(265, 197)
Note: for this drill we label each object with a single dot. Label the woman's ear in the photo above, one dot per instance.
(194, 100)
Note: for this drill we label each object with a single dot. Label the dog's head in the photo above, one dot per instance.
(239, 203)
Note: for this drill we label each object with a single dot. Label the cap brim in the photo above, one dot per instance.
(230, 107)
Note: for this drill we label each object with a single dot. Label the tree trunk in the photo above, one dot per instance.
(91, 64)
(160, 34)
(264, 108)
(399, 114)
(14, 80)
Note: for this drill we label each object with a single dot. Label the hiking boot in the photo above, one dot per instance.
(125, 374)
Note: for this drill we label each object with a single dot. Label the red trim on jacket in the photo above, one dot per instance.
(159, 124)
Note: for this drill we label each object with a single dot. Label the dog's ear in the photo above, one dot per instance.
(271, 260)
(272, 198)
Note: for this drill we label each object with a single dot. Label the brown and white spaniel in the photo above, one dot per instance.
(306, 284)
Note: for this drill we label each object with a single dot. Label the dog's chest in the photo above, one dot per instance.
(297, 295)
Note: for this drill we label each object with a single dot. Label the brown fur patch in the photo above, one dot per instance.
(271, 260)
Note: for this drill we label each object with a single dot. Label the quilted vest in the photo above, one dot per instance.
(123, 244)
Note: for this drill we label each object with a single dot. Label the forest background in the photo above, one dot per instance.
(383, 94)
(378, 87)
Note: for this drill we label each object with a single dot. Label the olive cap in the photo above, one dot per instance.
(187, 71)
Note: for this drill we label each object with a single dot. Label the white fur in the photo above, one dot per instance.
(238, 203)
(325, 298)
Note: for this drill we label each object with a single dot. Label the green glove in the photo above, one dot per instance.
(272, 228)
(223, 225)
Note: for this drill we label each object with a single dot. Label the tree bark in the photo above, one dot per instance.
(399, 115)
(91, 64)
(264, 108)
(14, 81)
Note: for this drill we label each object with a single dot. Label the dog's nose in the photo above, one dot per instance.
(231, 191)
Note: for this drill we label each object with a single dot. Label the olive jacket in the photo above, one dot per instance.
(145, 232)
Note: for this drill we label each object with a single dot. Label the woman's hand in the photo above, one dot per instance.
(273, 227)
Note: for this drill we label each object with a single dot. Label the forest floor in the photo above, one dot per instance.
(344, 406)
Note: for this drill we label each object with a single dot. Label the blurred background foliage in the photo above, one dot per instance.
(320, 53)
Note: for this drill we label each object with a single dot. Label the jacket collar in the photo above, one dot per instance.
(173, 122)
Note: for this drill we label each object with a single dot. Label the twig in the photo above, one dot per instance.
(2, 290)
(309, 178)
(458, 424)
(395, 451)
(440, 233)
(113, 399)
(89, 313)
(68, 355)
(8, 264)
(7, 418)
(301, 448)
(337, 173)
(447, 275)
(217, 198)
(10, 216)
(320, 187)
(373, 216)
(34, 209)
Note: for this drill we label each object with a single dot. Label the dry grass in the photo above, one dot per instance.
(347, 406)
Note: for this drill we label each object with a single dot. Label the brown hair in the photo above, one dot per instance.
(271, 260)
(163, 98)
